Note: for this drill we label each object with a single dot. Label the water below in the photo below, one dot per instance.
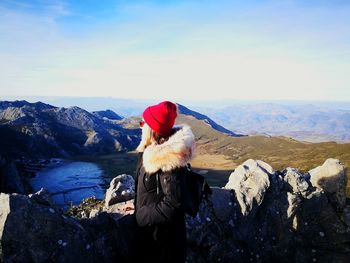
(70, 182)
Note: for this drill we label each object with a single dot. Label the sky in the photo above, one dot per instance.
(202, 50)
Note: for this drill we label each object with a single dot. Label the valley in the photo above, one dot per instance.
(107, 140)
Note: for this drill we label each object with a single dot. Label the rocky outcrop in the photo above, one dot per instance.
(59, 132)
(261, 215)
(34, 229)
(121, 189)
(331, 177)
(250, 182)
(265, 215)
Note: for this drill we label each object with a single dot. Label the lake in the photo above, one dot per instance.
(71, 181)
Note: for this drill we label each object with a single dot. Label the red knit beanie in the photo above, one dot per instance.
(161, 117)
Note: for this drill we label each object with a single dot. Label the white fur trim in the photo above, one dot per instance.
(174, 153)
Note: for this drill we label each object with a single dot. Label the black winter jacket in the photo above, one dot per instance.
(160, 216)
(158, 208)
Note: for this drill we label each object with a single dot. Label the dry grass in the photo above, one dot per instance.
(219, 154)
(220, 150)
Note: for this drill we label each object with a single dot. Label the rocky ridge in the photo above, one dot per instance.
(261, 215)
(60, 132)
(35, 132)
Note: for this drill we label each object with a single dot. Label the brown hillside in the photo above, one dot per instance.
(218, 154)
(222, 153)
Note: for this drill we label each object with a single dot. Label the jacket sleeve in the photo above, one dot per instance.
(136, 178)
(165, 210)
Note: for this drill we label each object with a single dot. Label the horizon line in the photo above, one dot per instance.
(15, 97)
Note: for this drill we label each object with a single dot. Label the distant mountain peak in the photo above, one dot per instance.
(186, 111)
(22, 103)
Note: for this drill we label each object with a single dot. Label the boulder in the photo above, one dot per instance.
(121, 189)
(288, 220)
(331, 178)
(250, 181)
(36, 232)
(32, 230)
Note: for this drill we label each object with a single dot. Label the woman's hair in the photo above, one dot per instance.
(157, 138)
(150, 137)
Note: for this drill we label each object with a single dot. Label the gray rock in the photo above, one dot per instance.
(293, 222)
(121, 189)
(250, 181)
(288, 221)
(296, 187)
(294, 203)
(331, 178)
(29, 231)
(33, 231)
(295, 180)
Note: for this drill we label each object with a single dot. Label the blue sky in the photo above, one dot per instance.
(176, 49)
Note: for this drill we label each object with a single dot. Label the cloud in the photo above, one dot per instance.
(265, 50)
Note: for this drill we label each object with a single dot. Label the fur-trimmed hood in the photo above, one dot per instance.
(176, 152)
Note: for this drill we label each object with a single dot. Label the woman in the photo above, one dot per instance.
(164, 152)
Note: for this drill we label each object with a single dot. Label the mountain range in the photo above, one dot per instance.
(304, 122)
(39, 129)
(312, 121)
(285, 209)
(42, 130)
